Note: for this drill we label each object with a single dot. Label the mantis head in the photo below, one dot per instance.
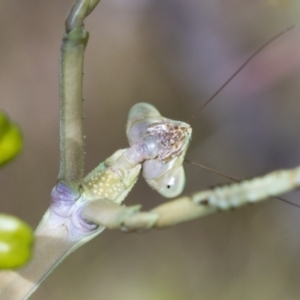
(166, 142)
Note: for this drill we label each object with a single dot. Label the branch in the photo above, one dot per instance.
(71, 77)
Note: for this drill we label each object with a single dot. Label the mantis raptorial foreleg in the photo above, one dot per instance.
(157, 144)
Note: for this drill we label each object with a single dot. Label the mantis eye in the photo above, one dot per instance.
(166, 178)
(172, 183)
(139, 118)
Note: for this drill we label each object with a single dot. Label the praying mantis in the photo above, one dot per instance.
(82, 207)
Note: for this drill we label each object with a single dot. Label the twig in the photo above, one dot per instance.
(71, 76)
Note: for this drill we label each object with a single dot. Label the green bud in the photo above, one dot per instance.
(10, 139)
(16, 239)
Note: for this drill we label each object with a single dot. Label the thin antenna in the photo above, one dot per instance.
(211, 170)
(240, 68)
(232, 179)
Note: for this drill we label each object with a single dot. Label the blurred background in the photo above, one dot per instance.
(174, 54)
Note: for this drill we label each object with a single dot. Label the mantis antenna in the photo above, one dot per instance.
(262, 47)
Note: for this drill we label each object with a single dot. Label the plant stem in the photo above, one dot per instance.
(71, 77)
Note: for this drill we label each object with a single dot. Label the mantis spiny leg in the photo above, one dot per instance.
(195, 206)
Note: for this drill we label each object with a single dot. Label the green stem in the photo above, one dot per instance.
(80, 10)
(71, 78)
(71, 118)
